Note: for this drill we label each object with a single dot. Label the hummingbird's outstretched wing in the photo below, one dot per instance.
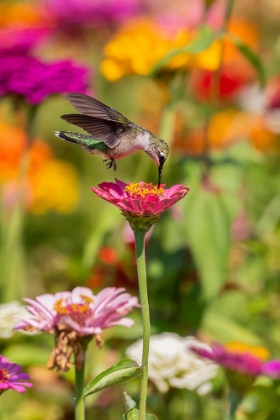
(105, 130)
(94, 108)
(99, 120)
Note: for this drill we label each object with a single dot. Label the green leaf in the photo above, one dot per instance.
(252, 57)
(207, 228)
(125, 370)
(203, 41)
(128, 401)
(132, 413)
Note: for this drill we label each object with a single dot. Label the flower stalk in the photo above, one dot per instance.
(79, 387)
(142, 279)
(234, 399)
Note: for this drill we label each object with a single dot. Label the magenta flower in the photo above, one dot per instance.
(92, 13)
(80, 311)
(24, 75)
(140, 199)
(272, 369)
(35, 80)
(12, 377)
(241, 365)
(240, 362)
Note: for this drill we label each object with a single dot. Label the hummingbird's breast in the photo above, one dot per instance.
(129, 144)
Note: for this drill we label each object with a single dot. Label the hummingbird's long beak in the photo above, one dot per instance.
(159, 174)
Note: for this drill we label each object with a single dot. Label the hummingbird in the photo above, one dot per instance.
(110, 133)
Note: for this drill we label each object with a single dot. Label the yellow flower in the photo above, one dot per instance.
(54, 187)
(137, 47)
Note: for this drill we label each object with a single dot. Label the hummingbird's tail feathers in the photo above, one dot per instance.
(94, 108)
(88, 142)
(103, 130)
(65, 135)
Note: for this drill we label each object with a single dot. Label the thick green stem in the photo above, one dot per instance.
(142, 279)
(79, 389)
(234, 399)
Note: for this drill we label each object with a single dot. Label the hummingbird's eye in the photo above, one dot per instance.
(161, 156)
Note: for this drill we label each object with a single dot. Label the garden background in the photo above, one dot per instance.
(207, 80)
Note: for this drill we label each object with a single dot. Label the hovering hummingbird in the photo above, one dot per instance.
(110, 133)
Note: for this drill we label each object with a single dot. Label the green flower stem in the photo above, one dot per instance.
(234, 399)
(79, 389)
(142, 279)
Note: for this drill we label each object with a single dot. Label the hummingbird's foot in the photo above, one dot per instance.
(110, 164)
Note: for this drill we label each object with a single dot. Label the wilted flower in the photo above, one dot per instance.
(92, 13)
(11, 377)
(7, 321)
(140, 202)
(172, 364)
(242, 363)
(76, 317)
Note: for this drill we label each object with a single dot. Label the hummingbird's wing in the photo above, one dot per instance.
(94, 108)
(99, 120)
(105, 130)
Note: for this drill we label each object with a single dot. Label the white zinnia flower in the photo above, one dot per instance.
(173, 364)
(8, 311)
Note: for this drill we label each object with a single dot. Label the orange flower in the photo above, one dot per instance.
(263, 139)
(18, 14)
(225, 128)
(50, 184)
(247, 33)
(13, 142)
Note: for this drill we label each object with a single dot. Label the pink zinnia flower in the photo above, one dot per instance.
(80, 311)
(242, 363)
(75, 318)
(140, 199)
(12, 377)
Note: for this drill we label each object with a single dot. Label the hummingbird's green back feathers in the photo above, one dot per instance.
(85, 140)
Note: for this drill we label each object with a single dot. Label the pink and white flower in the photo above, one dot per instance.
(80, 311)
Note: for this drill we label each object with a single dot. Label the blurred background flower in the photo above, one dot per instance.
(8, 312)
(99, 12)
(172, 364)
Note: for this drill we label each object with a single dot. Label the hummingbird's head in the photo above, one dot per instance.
(158, 151)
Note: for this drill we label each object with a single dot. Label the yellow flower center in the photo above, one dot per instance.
(257, 351)
(143, 189)
(63, 307)
(3, 375)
